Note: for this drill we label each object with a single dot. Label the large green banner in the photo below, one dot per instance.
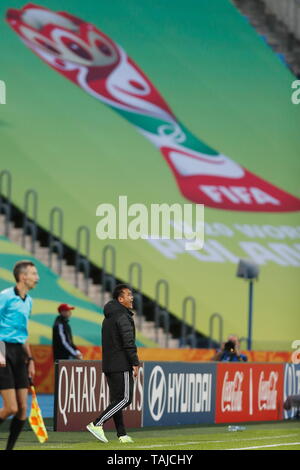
(175, 104)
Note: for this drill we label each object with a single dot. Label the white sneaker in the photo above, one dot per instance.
(125, 439)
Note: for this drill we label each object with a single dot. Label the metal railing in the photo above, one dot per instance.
(191, 337)
(288, 12)
(138, 297)
(108, 275)
(5, 206)
(30, 221)
(55, 241)
(82, 258)
(108, 280)
(212, 319)
(164, 314)
(162, 310)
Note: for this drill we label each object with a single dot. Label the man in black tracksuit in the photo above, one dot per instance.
(119, 361)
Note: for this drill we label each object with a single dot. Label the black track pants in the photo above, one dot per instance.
(121, 389)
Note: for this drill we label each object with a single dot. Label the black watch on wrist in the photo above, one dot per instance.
(30, 359)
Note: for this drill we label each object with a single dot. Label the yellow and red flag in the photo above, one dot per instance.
(35, 418)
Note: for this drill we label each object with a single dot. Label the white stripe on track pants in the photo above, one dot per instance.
(121, 389)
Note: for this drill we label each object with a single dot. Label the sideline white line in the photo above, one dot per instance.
(270, 445)
(172, 444)
(169, 444)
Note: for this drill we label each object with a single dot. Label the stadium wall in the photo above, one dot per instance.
(45, 367)
(178, 393)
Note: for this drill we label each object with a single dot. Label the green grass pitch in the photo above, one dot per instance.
(263, 436)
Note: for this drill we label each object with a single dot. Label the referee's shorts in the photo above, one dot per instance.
(14, 374)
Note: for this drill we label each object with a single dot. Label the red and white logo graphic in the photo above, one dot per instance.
(232, 393)
(267, 391)
(99, 66)
(249, 392)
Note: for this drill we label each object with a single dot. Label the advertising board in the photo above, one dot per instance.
(81, 394)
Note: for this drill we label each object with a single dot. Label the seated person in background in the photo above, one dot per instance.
(239, 357)
(62, 340)
(230, 353)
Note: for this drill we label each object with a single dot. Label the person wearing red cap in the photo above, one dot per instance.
(62, 340)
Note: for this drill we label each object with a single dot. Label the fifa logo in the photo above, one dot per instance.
(2, 92)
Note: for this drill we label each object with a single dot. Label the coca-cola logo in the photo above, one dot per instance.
(267, 391)
(232, 394)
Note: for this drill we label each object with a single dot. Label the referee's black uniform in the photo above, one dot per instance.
(119, 355)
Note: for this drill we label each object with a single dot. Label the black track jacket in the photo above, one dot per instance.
(62, 340)
(119, 352)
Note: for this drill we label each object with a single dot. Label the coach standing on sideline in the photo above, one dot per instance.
(119, 361)
(15, 309)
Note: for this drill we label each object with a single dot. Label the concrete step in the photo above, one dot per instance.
(173, 343)
(155, 336)
(152, 331)
(148, 323)
(95, 289)
(3, 224)
(68, 271)
(163, 343)
(95, 300)
(148, 330)
(81, 285)
(96, 295)
(28, 245)
(56, 267)
(80, 276)
(107, 297)
(43, 250)
(15, 235)
(148, 326)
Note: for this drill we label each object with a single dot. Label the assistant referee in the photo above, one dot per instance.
(15, 309)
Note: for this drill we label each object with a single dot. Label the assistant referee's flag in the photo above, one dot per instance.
(35, 418)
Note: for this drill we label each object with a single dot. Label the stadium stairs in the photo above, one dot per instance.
(146, 329)
(278, 23)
